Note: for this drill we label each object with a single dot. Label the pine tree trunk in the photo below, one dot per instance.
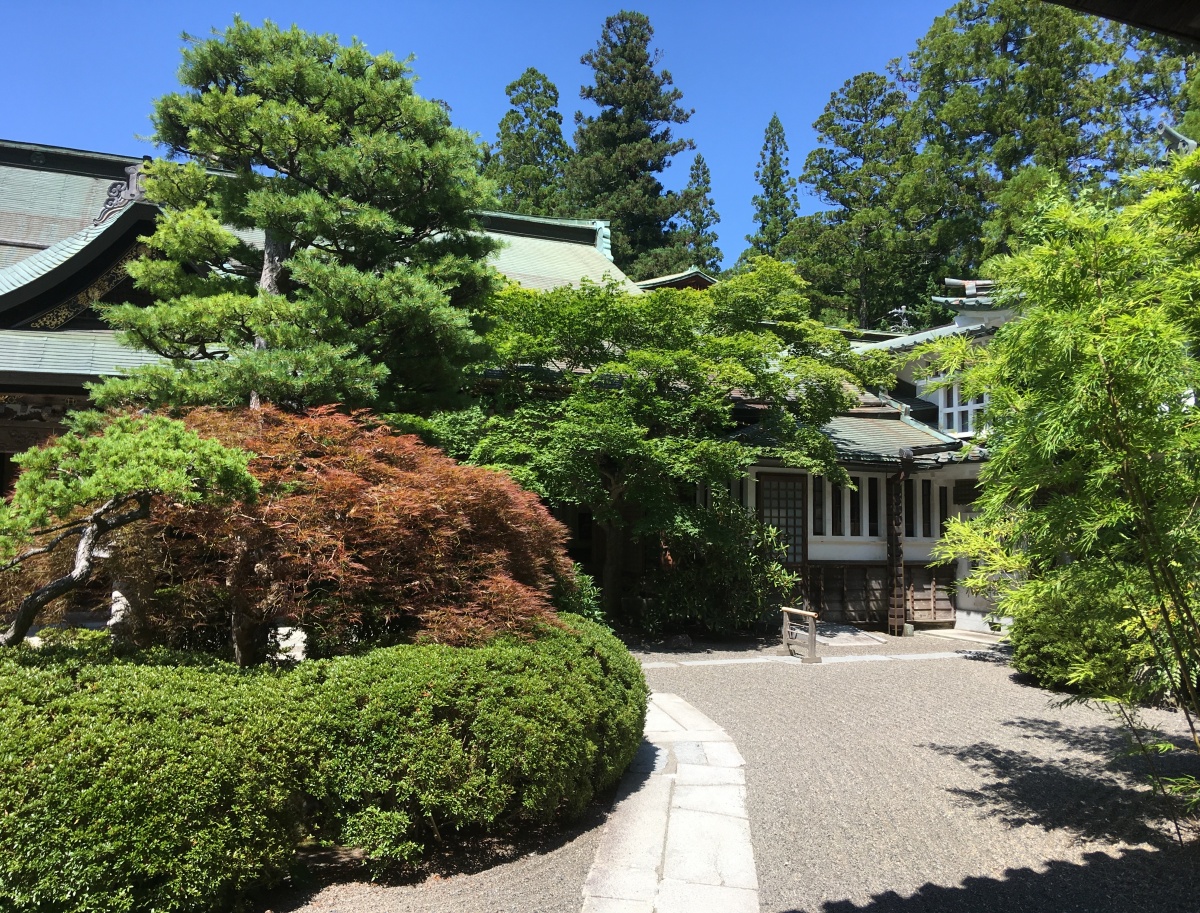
(275, 251)
(125, 621)
(247, 634)
(101, 521)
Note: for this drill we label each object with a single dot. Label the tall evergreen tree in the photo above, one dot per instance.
(620, 152)
(775, 206)
(529, 160)
(865, 256)
(929, 173)
(699, 219)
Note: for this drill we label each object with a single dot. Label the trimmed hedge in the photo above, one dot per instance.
(141, 783)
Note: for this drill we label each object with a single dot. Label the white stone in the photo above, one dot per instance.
(658, 721)
(615, 905)
(683, 735)
(723, 754)
(681, 897)
(621, 884)
(707, 774)
(703, 848)
(689, 753)
(718, 798)
(724, 662)
(682, 712)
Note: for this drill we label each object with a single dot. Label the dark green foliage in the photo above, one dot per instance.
(869, 253)
(1189, 126)
(622, 404)
(775, 205)
(420, 742)
(1089, 497)
(699, 219)
(722, 571)
(145, 783)
(363, 197)
(620, 152)
(923, 170)
(528, 162)
(141, 787)
(1055, 635)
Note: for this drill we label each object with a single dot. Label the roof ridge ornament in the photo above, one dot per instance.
(122, 193)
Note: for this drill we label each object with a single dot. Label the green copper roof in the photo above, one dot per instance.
(42, 262)
(879, 430)
(541, 263)
(38, 209)
(693, 274)
(73, 353)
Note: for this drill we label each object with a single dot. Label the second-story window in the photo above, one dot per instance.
(958, 414)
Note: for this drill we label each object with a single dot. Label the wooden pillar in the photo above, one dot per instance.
(895, 553)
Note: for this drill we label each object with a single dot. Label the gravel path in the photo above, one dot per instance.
(932, 783)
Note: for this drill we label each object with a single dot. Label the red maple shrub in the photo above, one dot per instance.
(360, 533)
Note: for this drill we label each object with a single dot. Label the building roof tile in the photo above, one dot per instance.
(74, 353)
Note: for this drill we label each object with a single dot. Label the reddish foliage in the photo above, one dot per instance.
(358, 525)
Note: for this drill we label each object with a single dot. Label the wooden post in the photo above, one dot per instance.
(788, 614)
(895, 553)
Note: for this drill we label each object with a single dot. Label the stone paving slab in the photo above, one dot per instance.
(678, 838)
(683, 897)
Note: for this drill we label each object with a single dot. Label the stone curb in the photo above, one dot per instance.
(678, 837)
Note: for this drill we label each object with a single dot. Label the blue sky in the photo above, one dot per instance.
(83, 74)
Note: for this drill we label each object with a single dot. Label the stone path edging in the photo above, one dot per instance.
(795, 660)
(678, 837)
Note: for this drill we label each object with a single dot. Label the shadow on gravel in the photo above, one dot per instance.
(1098, 791)
(997, 655)
(1165, 881)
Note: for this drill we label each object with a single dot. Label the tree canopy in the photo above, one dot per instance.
(775, 204)
(621, 151)
(318, 245)
(1090, 493)
(529, 161)
(925, 170)
(698, 221)
(100, 477)
(618, 403)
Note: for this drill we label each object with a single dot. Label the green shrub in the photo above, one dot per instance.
(725, 572)
(1083, 640)
(142, 783)
(127, 787)
(418, 743)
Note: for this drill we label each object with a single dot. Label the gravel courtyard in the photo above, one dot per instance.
(936, 785)
(933, 783)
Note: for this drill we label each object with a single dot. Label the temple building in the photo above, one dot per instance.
(69, 225)
(70, 221)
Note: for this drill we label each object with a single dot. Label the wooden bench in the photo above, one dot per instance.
(793, 618)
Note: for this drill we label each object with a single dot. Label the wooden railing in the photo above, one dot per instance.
(791, 624)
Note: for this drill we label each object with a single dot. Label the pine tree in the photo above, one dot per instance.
(620, 152)
(529, 159)
(775, 207)
(366, 196)
(699, 219)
